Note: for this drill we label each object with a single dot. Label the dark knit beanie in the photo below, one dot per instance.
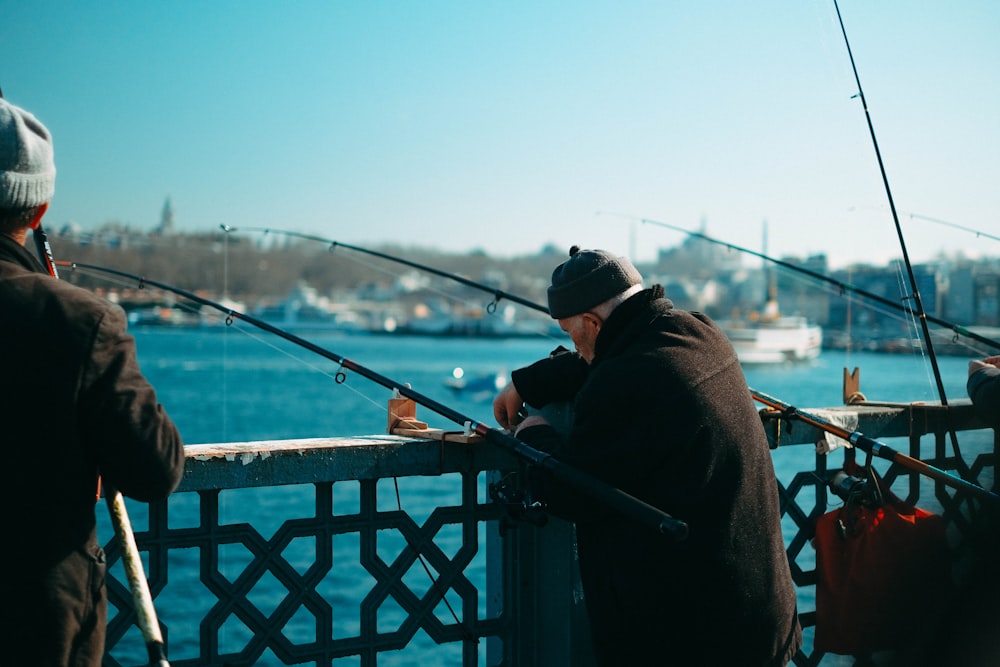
(587, 279)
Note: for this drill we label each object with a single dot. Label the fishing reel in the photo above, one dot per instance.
(861, 496)
(517, 501)
(856, 490)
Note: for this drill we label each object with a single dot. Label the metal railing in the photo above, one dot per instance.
(387, 550)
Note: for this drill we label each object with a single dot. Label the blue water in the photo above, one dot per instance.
(239, 384)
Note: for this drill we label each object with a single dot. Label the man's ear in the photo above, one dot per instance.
(594, 319)
(39, 212)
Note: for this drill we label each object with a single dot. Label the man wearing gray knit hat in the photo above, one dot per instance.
(662, 411)
(27, 169)
(75, 409)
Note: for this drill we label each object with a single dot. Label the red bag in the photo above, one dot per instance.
(883, 574)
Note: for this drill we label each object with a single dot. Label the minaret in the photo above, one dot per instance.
(771, 310)
(166, 219)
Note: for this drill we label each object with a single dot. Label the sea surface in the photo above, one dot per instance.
(236, 383)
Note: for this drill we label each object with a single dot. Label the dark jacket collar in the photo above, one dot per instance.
(12, 251)
(623, 316)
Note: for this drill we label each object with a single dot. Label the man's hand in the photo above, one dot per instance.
(977, 364)
(508, 407)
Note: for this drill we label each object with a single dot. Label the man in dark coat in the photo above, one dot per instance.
(662, 411)
(983, 387)
(74, 406)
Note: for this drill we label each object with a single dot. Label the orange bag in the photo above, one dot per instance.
(883, 573)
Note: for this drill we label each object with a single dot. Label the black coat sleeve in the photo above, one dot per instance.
(984, 390)
(557, 378)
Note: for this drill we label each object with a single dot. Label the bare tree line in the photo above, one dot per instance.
(256, 268)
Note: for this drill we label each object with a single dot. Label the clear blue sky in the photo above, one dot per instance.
(507, 125)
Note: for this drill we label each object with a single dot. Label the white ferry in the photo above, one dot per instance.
(774, 339)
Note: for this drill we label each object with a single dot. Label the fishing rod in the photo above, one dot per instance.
(874, 447)
(142, 600)
(498, 294)
(635, 509)
(44, 250)
(915, 463)
(844, 287)
(953, 225)
(915, 292)
(524, 451)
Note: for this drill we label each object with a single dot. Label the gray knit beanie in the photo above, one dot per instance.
(27, 170)
(587, 279)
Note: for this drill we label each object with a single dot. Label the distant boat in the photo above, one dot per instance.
(774, 340)
(163, 315)
(304, 309)
(771, 338)
(480, 387)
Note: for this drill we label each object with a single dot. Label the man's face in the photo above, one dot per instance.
(583, 330)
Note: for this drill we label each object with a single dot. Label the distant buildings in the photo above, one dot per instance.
(716, 279)
(306, 283)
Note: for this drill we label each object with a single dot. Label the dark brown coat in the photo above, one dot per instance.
(73, 403)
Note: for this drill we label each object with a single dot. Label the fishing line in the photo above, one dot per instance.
(249, 332)
(914, 290)
(450, 296)
(225, 345)
(336, 377)
(978, 233)
(340, 378)
(849, 316)
(913, 326)
(800, 274)
(436, 583)
(621, 501)
(901, 315)
(583, 482)
(630, 506)
(845, 288)
(497, 293)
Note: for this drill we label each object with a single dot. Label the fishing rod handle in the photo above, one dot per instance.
(637, 510)
(157, 658)
(142, 600)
